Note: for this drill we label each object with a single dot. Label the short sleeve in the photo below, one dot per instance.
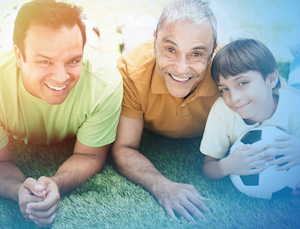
(131, 106)
(3, 137)
(216, 141)
(101, 127)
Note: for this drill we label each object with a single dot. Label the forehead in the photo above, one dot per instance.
(40, 37)
(251, 74)
(187, 32)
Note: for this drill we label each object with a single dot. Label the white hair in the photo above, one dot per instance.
(194, 10)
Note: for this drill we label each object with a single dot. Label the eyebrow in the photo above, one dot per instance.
(235, 79)
(167, 40)
(46, 57)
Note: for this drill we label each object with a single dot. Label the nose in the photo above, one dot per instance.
(235, 95)
(182, 65)
(60, 74)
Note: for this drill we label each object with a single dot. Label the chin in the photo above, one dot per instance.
(55, 101)
(179, 95)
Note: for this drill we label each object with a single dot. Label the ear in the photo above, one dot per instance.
(216, 46)
(212, 54)
(272, 79)
(18, 56)
(154, 43)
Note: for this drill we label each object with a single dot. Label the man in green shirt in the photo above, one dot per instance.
(53, 88)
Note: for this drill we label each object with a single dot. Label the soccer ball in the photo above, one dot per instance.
(269, 183)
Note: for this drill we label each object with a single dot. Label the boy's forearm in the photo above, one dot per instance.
(215, 169)
(11, 179)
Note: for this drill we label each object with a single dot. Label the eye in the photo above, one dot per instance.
(73, 62)
(243, 83)
(47, 62)
(196, 54)
(223, 90)
(171, 50)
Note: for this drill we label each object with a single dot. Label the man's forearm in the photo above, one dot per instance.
(137, 168)
(11, 178)
(76, 170)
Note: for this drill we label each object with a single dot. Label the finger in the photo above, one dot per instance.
(279, 161)
(260, 157)
(267, 153)
(44, 205)
(256, 150)
(42, 184)
(245, 147)
(43, 214)
(256, 170)
(40, 189)
(283, 137)
(284, 167)
(194, 207)
(52, 198)
(44, 222)
(33, 198)
(278, 145)
(275, 152)
(170, 212)
(26, 216)
(183, 212)
(29, 184)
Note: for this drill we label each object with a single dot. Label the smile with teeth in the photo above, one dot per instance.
(180, 79)
(56, 88)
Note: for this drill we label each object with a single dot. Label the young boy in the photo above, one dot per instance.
(246, 75)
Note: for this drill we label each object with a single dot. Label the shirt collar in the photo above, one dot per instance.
(281, 114)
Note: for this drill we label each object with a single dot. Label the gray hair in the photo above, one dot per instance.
(193, 10)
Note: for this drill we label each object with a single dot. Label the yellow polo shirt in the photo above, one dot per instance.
(146, 96)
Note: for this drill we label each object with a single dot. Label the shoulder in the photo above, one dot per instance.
(97, 69)
(287, 95)
(137, 61)
(221, 112)
(220, 106)
(290, 98)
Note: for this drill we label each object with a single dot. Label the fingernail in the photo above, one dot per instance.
(31, 217)
(27, 211)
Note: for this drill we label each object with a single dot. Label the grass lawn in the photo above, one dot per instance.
(109, 200)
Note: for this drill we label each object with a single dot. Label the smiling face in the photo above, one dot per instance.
(53, 61)
(183, 50)
(250, 95)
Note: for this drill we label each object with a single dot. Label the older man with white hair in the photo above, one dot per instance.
(168, 90)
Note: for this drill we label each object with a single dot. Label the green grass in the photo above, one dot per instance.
(109, 200)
